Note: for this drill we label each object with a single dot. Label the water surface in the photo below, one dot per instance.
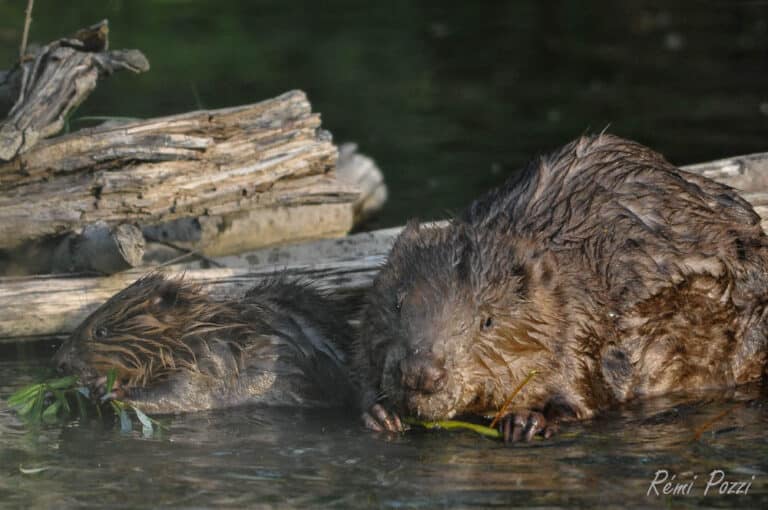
(251, 456)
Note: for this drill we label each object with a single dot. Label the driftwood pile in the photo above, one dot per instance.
(214, 182)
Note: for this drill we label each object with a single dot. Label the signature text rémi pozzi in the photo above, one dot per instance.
(665, 483)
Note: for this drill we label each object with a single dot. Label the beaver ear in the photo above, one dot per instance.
(166, 296)
(411, 230)
(409, 234)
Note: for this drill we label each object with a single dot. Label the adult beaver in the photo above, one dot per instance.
(609, 271)
(177, 349)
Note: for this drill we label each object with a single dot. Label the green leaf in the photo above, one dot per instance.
(62, 399)
(51, 412)
(146, 422)
(81, 410)
(23, 395)
(125, 421)
(111, 377)
(27, 407)
(63, 383)
(37, 409)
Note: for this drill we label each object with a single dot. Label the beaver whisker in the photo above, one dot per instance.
(479, 356)
(158, 345)
(156, 339)
(143, 350)
(108, 348)
(212, 328)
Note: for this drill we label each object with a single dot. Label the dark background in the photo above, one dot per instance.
(449, 98)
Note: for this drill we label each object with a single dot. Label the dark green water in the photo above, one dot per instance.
(449, 99)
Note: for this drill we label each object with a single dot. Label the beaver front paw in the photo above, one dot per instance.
(524, 425)
(379, 419)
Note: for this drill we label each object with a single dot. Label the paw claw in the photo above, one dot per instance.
(525, 425)
(371, 423)
(379, 419)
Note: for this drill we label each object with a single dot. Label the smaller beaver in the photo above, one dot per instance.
(602, 267)
(176, 349)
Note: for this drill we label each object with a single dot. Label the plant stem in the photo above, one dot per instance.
(27, 23)
(504, 407)
(454, 424)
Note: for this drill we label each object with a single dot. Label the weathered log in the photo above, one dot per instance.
(205, 163)
(47, 87)
(355, 247)
(301, 209)
(318, 209)
(100, 248)
(748, 173)
(35, 307)
(361, 171)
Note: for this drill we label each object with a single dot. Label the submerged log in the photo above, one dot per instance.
(40, 92)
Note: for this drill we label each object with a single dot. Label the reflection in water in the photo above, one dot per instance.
(250, 456)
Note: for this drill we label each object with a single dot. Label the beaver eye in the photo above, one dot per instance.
(487, 323)
(101, 332)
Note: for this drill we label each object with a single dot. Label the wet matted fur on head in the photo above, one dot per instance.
(152, 328)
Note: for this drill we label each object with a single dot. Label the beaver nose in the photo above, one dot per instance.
(423, 373)
(62, 363)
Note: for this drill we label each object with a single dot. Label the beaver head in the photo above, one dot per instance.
(152, 328)
(457, 317)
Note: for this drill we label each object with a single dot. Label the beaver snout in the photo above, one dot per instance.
(422, 373)
(68, 361)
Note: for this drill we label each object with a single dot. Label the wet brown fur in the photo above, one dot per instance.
(149, 339)
(176, 349)
(602, 266)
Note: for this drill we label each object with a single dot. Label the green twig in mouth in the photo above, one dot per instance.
(33, 403)
(455, 424)
(489, 431)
